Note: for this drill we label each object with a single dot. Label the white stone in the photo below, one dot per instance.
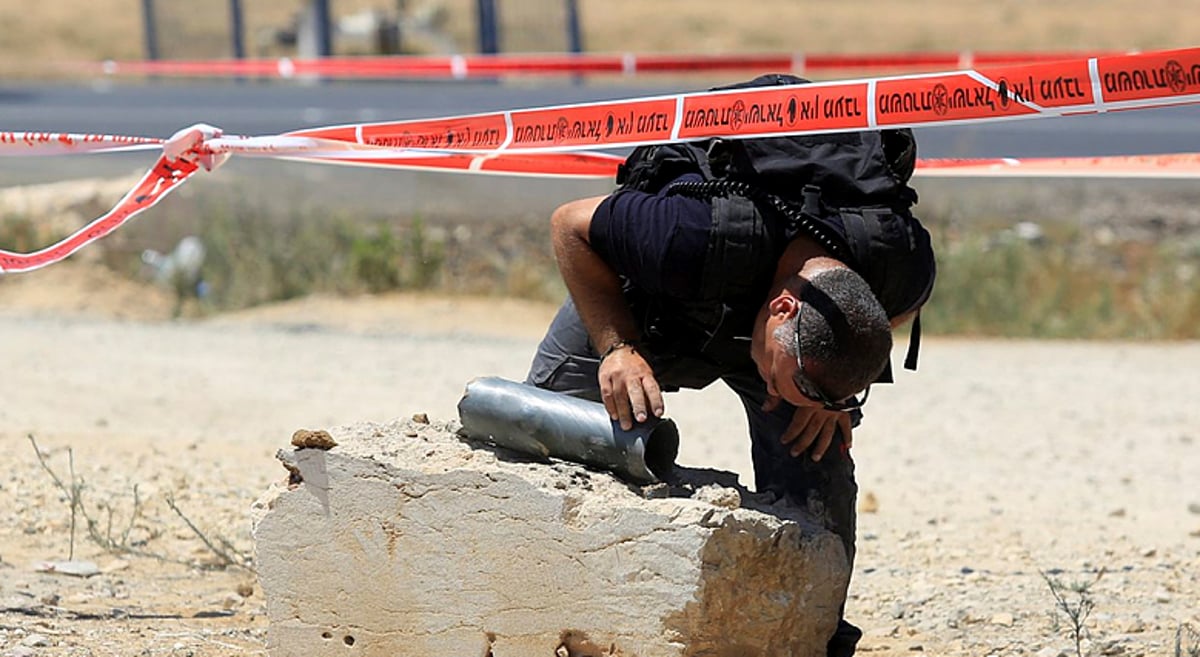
(35, 641)
(427, 546)
(1004, 619)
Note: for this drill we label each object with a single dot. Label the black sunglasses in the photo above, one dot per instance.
(810, 389)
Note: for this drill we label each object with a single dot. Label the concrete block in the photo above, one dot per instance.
(406, 541)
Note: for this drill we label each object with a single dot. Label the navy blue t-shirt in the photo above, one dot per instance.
(657, 241)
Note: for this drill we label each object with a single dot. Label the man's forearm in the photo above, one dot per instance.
(594, 286)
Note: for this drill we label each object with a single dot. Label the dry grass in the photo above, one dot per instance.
(44, 34)
(887, 26)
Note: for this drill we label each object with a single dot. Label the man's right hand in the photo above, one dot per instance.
(627, 384)
(628, 387)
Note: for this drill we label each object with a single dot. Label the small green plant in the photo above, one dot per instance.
(1075, 601)
(376, 260)
(18, 233)
(1065, 284)
(426, 256)
(122, 541)
(226, 552)
(1070, 279)
(73, 490)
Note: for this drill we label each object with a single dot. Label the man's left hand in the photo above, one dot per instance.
(813, 426)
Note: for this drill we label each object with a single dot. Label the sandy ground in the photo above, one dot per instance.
(996, 466)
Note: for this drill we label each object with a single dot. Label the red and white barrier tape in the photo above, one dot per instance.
(554, 141)
(1036, 90)
(163, 177)
(57, 143)
(478, 66)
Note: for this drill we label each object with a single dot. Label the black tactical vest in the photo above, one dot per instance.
(848, 192)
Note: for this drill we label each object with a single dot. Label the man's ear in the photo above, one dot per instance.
(784, 303)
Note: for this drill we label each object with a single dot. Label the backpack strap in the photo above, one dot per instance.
(745, 248)
(910, 357)
(859, 233)
(914, 343)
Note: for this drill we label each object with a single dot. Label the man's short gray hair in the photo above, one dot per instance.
(844, 334)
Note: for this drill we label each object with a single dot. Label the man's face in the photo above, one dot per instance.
(775, 365)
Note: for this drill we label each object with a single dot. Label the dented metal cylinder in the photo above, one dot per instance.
(548, 424)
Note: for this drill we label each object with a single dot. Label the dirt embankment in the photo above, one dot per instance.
(1001, 473)
(998, 464)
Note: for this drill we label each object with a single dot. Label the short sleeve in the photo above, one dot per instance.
(656, 241)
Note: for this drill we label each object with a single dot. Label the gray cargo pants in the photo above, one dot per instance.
(566, 362)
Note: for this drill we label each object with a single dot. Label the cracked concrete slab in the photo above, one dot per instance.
(405, 540)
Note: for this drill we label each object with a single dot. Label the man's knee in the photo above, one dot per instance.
(566, 373)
